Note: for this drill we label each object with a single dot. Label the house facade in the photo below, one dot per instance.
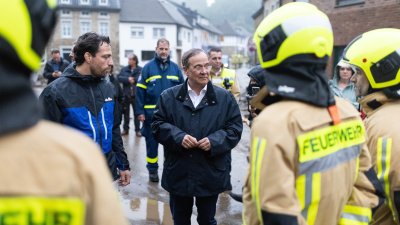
(349, 18)
(77, 17)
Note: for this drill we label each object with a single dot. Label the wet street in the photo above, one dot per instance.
(146, 203)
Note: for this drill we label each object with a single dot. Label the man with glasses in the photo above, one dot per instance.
(198, 124)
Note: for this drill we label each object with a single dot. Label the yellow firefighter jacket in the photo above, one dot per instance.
(303, 170)
(54, 175)
(383, 132)
(218, 80)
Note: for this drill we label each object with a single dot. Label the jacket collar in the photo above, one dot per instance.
(74, 74)
(372, 102)
(210, 97)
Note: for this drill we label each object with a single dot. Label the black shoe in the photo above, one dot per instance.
(236, 197)
(153, 177)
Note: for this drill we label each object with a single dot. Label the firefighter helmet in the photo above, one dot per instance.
(25, 28)
(294, 29)
(377, 54)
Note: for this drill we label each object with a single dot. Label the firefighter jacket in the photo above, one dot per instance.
(155, 78)
(46, 177)
(88, 104)
(195, 172)
(384, 144)
(226, 79)
(304, 170)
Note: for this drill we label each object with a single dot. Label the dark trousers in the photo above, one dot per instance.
(181, 209)
(127, 103)
(151, 148)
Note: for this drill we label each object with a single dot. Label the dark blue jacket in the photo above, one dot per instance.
(195, 172)
(152, 82)
(123, 77)
(88, 104)
(49, 69)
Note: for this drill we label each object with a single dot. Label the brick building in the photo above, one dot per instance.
(350, 18)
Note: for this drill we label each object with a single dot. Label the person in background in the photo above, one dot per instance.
(375, 55)
(129, 76)
(119, 94)
(341, 84)
(83, 99)
(221, 76)
(199, 124)
(309, 162)
(157, 75)
(50, 174)
(55, 66)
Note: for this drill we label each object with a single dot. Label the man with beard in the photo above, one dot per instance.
(83, 99)
(157, 75)
(377, 85)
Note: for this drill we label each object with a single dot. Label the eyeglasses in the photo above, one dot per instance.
(200, 68)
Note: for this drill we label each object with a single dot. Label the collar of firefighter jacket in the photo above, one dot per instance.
(372, 102)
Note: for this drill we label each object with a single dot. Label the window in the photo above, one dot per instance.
(103, 14)
(66, 28)
(65, 51)
(65, 13)
(85, 2)
(158, 32)
(104, 28)
(137, 32)
(85, 14)
(85, 27)
(103, 2)
(65, 1)
(147, 55)
(348, 2)
(189, 37)
(128, 52)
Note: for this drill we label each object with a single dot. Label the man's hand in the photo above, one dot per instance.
(204, 144)
(131, 80)
(125, 177)
(189, 142)
(56, 74)
(141, 118)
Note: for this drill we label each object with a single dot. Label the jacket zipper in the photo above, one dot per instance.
(97, 118)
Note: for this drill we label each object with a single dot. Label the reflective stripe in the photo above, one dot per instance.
(257, 152)
(383, 157)
(330, 161)
(104, 124)
(19, 32)
(42, 210)
(308, 188)
(292, 25)
(323, 142)
(355, 215)
(155, 77)
(141, 85)
(91, 125)
(149, 106)
(172, 77)
(152, 160)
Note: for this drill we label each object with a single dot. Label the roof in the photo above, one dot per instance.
(228, 29)
(113, 5)
(174, 12)
(144, 11)
(192, 16)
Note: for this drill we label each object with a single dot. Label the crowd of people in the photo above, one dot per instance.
(322, 151)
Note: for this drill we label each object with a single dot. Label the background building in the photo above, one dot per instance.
(349, 18)
(77, 17)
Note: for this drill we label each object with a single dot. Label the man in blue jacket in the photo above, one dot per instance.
(83, 99)
(157, 75)
(198, 124)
